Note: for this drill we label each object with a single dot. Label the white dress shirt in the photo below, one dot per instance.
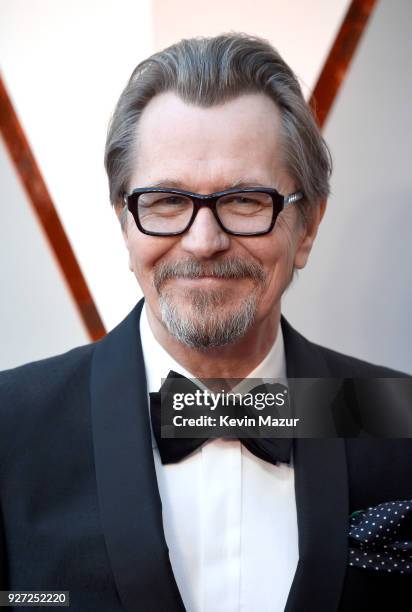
(229, 518)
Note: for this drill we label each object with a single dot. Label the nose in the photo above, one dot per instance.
(205, 238)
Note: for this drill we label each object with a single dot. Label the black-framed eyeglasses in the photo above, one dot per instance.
(171, 212)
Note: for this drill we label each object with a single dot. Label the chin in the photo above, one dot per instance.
(201, 301)
(204, 324)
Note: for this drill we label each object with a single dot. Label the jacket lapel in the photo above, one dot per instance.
(321, 486)
(129, 500)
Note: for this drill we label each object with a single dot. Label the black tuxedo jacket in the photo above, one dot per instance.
(80, 508)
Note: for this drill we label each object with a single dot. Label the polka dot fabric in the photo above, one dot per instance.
(380, 538)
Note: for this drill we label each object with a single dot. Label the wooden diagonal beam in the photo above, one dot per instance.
(43, 206)
(340, 56)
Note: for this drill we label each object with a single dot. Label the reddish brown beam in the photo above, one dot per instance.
(39, 197)
(339, 58)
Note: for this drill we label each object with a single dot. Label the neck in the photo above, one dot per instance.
(235, 360)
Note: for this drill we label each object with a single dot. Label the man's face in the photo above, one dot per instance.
(206, 287)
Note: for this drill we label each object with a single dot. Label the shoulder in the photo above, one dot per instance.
(39, 376)
(36, 390)
(33, 393)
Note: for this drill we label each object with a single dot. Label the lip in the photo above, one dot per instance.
(202, 279)
(194, 278)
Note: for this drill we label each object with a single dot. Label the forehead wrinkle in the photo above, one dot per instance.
(244, 183)
(203, 167)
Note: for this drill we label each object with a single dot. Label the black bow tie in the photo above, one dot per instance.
(173, 450)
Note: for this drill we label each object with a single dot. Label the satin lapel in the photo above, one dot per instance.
(129, 500)
(321, 486)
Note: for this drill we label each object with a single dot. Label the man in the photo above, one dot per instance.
(89, 503)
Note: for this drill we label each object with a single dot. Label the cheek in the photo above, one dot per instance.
(145, 252)
(288, 234)
(275, 249)
(277, 256)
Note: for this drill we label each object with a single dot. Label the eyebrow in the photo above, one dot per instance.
(239, 184)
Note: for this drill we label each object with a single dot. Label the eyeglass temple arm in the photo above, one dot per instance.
(292, 198)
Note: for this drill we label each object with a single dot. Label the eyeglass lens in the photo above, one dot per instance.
(238, 212)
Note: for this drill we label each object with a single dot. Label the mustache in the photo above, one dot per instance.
(225, 268)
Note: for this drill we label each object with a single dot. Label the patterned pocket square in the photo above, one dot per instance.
(380, 537)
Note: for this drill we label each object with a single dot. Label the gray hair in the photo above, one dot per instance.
(211, 71)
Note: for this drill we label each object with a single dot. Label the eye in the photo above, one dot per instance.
(163, 200)
(173, 199)
(245, 200)
(250, 200)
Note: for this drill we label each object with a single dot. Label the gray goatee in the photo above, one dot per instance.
(208, 322)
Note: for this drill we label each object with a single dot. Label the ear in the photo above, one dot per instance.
(308, 235)
(123, 216)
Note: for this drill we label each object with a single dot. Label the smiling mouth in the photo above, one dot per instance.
(204, 278)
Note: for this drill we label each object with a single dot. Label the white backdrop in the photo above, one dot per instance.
(356, 294)
(65, 64)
